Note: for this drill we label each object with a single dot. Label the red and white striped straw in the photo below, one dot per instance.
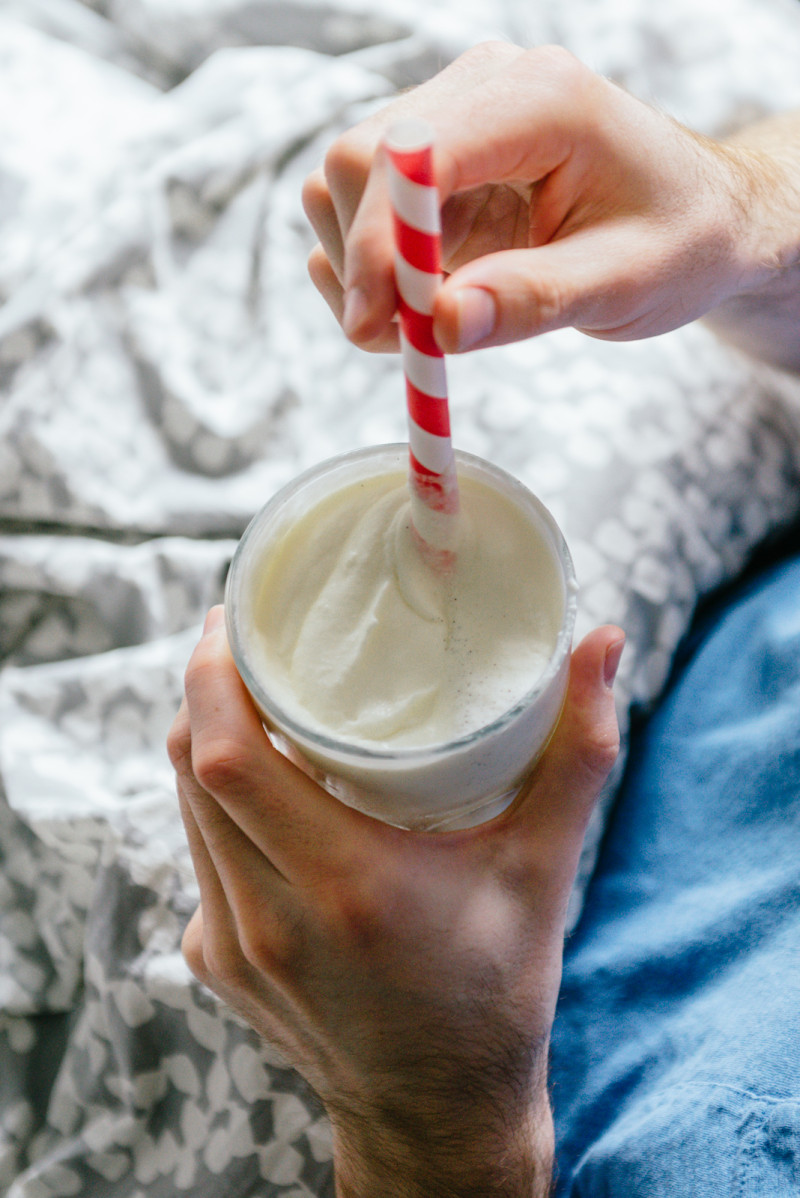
(417, 225)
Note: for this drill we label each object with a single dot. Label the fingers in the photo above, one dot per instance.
(331, 290)
(220, 965)
(331, 199)
(243, 939)
(291, 821)
(351, 191)
(518, 294)
(234, 879)
(211, 890)
(326, 265)
(327, 282)
(368, 278)
(226, 861)
(211, 941)
(320, 210)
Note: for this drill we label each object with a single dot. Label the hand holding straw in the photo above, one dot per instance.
(417, 227)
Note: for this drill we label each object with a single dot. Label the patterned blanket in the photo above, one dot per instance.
(165, 364)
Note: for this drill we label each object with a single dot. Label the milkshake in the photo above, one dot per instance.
(420, 695)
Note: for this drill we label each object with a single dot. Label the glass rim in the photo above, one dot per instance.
(288, 724)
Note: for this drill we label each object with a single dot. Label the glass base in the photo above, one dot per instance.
(466, 816)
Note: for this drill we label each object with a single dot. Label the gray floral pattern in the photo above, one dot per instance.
(165, 364)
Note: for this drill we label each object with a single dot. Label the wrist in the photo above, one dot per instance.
(452, 1155)
(767, 201)
(760, 311)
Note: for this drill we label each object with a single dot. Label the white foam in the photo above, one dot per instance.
(364, 641)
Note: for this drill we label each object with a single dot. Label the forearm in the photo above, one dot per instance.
(763, 316)
(451, 1158)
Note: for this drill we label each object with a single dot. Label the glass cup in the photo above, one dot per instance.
(439, 786)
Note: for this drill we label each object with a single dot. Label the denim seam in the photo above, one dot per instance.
(751, 1136)
(775, 1099)
(752, 1131)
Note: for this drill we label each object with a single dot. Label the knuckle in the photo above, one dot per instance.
(214, 960)
(365, 913)
(549, 304)
(570, 80)
(269, 951)
(347, 161)
(599, 754)
(179, 744)
(202, 665)
(193, 954)
(318, 263)
(315, 195)
(202, 672)
(220, 765)
(225, 965)
(324, 275)
(491, 53)
(557, 62)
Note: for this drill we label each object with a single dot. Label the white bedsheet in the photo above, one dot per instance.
(164, 365)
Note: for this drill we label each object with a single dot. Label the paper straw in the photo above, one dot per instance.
(417, 227)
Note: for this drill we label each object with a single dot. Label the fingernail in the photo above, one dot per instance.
(214, 619)
(612, 660)
(355, 309)
(477, 315)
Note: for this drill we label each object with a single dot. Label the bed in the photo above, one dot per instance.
(165, 365)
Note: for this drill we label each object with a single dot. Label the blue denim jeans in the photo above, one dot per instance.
(676, 1046)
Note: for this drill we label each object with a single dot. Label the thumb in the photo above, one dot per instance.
(567, 781)
(580, 281)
